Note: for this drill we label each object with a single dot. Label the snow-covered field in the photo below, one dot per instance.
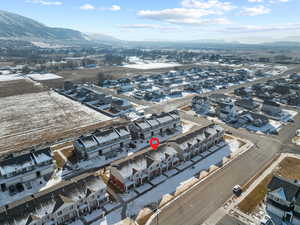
(138, 63)
(42, 77)
(31, 119)
(10, 77)
(153, 65)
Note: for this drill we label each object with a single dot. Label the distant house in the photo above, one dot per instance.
(283, 199)
(251, 118)
(202, 105)
(271, 108)
(18, 171)
(124, 88)
(227, 111)
(247, 104)
(120, 106)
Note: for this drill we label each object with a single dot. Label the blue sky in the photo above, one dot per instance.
(231, 20)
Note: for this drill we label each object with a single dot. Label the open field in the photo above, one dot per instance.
(289, 168)
(33, 119)
(9, 87)
(111, 72)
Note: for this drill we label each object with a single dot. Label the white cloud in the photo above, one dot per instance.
(183, 16)
(257, 1)
(193, 12)
(91, 7)
(255, 11)
(115, 8)
(210, 4)
(87, 7)
(42, 2)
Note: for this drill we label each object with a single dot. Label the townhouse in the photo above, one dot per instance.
(143, 166)
(61, 204)
(198, 141)
(19, 171)
(103, 142)
(157, 125)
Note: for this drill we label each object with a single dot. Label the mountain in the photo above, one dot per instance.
(14, 26)
(103, 38)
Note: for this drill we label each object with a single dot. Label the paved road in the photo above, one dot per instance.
(198, 204)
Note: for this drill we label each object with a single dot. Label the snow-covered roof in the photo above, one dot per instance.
(127, 169)
(88, 141)
(142, 124)
(46, 76)
(122, 131)
(106, 136)
(153, 122)
(16, 164)
(165, 118)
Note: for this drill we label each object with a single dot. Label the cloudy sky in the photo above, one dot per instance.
(230, 20)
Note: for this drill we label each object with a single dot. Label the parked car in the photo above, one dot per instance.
(237, 190)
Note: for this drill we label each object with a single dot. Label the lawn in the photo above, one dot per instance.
(288, 168)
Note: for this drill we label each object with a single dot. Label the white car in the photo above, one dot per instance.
(237, 190)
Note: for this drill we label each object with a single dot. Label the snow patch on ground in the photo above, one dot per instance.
(11, 77)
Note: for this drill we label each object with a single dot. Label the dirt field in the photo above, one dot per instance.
(110, 72)
(38, 118)
(17, 87)
(288, 168)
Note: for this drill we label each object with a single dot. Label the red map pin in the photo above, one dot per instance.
(154, 142)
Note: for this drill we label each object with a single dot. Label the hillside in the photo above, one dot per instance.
(13, 26)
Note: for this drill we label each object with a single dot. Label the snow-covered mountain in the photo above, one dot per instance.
(14, 26)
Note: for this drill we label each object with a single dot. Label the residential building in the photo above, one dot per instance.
(58, 205)
(156, 125)
(198, 141)
(106, 142)
(143, 166)
(19, 171)
(283, 199)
